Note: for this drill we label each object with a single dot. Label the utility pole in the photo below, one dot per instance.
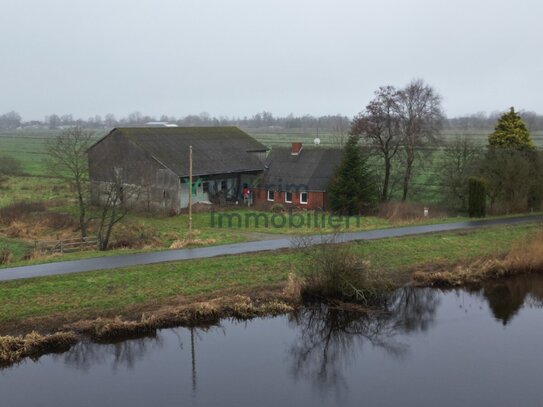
(190, 194)
(193, 359)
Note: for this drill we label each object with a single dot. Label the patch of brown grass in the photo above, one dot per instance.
(134, 236)
(408, 212)
(59, 221)
(39, 254)
(19, 210)
(179, 244)
(15, 348)
(293, 288)
(523, 257)
(203, 313)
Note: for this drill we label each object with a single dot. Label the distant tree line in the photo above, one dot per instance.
(329, 123)
(335, 124)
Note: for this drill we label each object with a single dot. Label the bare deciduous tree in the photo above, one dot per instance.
(340, 131)
(67, 159)
(460, 160)
(117, 197)
(379, 124)
(513, 180)
(421, 120)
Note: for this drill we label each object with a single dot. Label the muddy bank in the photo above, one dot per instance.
(477, 272)
(62, 336)
(14, 349)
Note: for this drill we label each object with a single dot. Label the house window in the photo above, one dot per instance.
(271, 195)
(205, 187)
(288, 197)
(303, 198)
(223, 185)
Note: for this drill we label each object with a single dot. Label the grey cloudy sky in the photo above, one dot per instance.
(238, 57)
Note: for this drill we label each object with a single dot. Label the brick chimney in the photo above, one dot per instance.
(296, 148)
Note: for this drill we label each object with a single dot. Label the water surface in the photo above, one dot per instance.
(431, 348)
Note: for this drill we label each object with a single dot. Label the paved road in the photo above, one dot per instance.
(103, 263)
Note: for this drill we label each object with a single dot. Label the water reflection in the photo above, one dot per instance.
(119, 354)
(327, 340)
(507, 297)
(330, 338)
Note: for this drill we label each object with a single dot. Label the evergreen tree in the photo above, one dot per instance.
(352, 186)
(511, 132)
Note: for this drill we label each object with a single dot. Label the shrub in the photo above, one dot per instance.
(10, 165)
(333, 272)
(277, 208)
(477, 198)
(5, 256)
(3, 181)
(19, 210)
(134, 236)
(56, 220)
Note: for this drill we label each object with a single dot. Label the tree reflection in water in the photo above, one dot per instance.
(125, 353)
(330, 338)
(507, 297)
(120, 354)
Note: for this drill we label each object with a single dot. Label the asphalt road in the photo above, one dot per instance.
(137, 259)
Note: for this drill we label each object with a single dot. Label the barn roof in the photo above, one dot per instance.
(216, 150)
(311, 169)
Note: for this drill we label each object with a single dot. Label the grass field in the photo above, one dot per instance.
(159, 232)
(114, 290)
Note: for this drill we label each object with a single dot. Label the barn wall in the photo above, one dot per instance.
(152, 186)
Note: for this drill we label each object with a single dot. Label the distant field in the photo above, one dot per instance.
(28, 146)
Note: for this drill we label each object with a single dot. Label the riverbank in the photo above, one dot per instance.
(104, 305)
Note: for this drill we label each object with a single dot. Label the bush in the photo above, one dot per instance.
(477, 198)
(134, 236)
(10, 166)
(19, 210)
(333, 272)
(59, 221)
(277, 208)
(5, 256)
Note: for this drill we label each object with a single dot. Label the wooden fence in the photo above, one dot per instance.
(75, 244)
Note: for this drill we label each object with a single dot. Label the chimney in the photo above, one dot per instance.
(296, 148)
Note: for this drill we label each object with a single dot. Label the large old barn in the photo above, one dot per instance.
(153, 163)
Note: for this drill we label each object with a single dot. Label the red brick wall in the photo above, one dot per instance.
(315, 200)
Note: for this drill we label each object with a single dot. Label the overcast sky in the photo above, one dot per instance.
(239, 57)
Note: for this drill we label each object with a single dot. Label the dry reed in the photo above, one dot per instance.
(523, 257)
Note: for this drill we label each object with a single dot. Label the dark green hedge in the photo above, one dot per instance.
(477, 197)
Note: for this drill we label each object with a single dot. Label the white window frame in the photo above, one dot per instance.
(286, 194)
(306, 196)
(268, 195)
